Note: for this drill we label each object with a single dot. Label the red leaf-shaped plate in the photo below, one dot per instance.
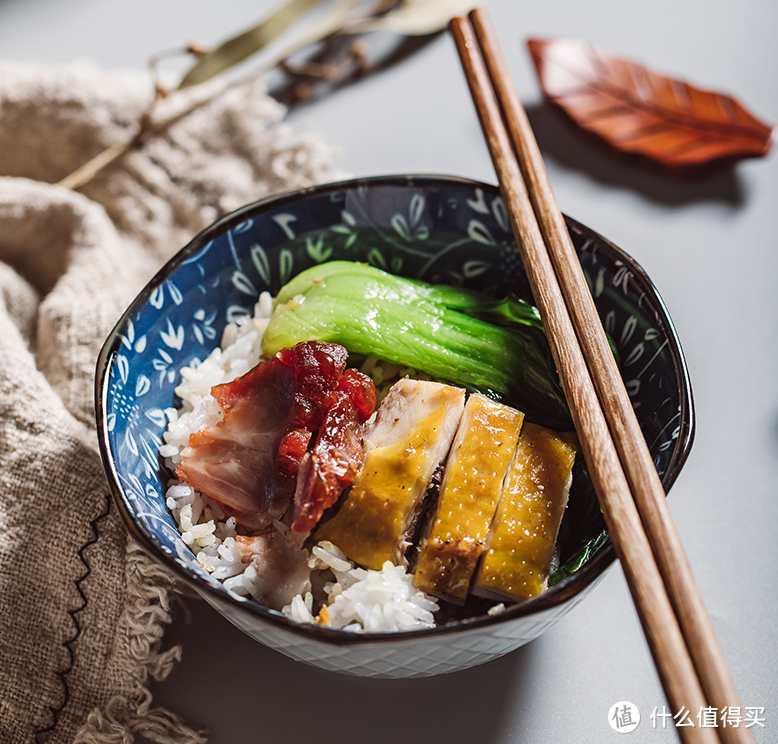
(639, 111)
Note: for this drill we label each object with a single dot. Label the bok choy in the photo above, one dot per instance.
(455, 335)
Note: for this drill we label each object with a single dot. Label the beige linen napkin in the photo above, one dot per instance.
(82, 611)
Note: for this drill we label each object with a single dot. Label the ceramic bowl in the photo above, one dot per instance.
(442, 229)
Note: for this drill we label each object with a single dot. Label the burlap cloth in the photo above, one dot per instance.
(82, 611)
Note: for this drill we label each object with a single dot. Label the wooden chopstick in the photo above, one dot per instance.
(677, 627)
(643, 478)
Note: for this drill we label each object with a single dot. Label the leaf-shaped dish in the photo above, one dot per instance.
(639, 111)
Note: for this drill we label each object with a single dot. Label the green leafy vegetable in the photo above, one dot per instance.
(445, 332)
(580, 558)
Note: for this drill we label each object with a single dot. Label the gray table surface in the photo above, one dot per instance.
(709, 246)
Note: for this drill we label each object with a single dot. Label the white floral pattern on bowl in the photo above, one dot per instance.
(441, 229)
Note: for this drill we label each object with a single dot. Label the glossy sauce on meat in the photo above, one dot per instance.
(405, 443)
(517, 563)
(250, 462)
(336, 456)
(469, 493)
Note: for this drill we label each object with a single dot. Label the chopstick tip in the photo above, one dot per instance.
(456, 22)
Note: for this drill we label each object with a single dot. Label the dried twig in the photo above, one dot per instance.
(327, 63)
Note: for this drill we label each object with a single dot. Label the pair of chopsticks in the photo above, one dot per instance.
(679, 632)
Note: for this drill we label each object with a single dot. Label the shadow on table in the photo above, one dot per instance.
(243, 692)
(561, 141)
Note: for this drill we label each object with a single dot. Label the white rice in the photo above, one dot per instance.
(362, 599)
(354, 599)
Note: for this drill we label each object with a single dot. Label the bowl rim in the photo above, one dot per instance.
(557, 595)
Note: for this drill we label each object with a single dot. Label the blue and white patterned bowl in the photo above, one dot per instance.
(442, 229)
